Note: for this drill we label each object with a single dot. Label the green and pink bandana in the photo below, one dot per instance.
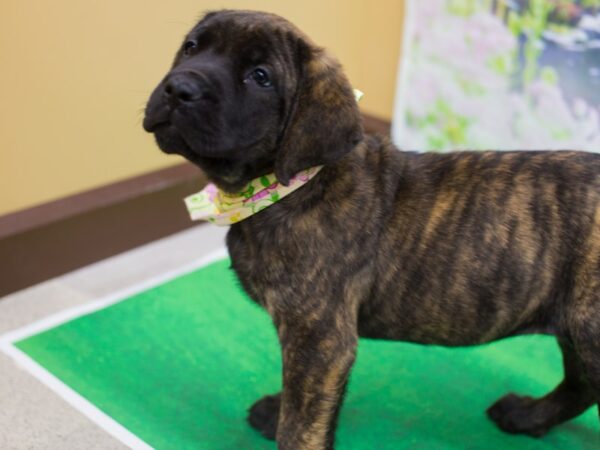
(218, 207)
(221, 208)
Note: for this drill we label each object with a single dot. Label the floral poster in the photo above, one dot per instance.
(500, 74)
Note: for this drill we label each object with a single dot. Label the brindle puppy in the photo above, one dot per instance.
(451, 249)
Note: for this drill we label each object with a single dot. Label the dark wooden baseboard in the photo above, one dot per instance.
(49, 240)
(46, 241)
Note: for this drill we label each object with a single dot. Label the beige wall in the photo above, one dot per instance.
(74, 76)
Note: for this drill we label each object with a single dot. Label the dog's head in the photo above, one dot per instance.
(249, 94)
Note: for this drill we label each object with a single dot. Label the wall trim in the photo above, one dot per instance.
(73, 205)
(54, 238)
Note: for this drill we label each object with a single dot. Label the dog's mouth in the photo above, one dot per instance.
(168, 139)
(153, 125)
(173, 142)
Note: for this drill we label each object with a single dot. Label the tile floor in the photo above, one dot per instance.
(31, 415)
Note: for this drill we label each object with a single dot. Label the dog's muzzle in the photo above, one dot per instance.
(181, 91)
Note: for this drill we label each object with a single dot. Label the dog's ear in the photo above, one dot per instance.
(324, 121)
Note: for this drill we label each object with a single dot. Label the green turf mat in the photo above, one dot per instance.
(179, 364)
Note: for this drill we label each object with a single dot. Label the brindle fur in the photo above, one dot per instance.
(452, 249)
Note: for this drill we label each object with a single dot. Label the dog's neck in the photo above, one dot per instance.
(330, 184)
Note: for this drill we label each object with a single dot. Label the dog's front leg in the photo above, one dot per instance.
(317, 356)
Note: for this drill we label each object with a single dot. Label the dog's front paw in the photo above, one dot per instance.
(264, 414)
(516, 414)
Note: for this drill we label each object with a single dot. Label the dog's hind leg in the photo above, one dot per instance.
(520, 414)
(586, 338)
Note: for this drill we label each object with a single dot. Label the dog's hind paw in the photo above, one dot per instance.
(516, 414)
(264, 414)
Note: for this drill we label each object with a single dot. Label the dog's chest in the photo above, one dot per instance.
(265, 263)
(300, 267)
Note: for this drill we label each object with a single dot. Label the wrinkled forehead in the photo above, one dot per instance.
(251, 36)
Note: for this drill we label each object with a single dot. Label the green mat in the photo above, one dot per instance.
(179, 364)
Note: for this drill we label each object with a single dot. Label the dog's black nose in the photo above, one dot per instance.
(182, 88)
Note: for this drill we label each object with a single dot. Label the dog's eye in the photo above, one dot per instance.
(261, 77)
(189, 46)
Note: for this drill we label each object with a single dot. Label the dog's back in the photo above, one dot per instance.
(479, 246)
